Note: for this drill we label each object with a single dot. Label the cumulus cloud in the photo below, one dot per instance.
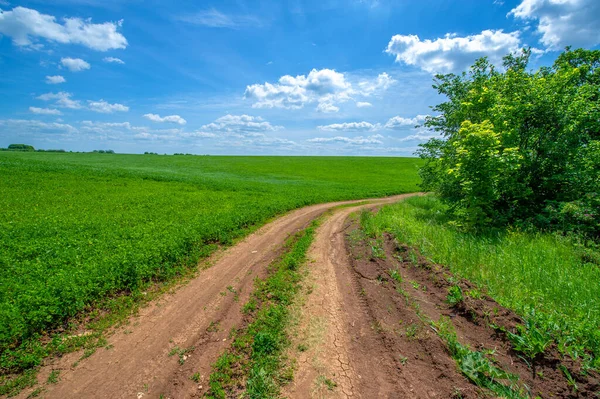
(453, 53)
(399, 122)
(240, 124)
(349, 127)
(326, 87)
(44, 111)
(26, 26)
(170, 119)
(74, 64)
(359, 140)
(63, 100)
(56, 79)
(563, 23)
(105, 107)
(363, 104)
(113, 60)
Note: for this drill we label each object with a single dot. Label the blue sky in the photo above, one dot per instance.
(326, 77)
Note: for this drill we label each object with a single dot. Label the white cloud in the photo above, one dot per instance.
(74, 64)
(240, 124)
(399, 122)
(215, 19)
(44, 111)
(105, 107)
(327, 107)
(563, 23)
(56, 79)
(363, 104)
(199, 134)
(350, 127)
(359, 140)
(453, 53)
(326, 87)
(113, 60)
(26, 26)
(422, 134)
(30, 126)
(170, 118)
(381, 83)
(63, 100)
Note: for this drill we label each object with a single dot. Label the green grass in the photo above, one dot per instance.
(543, 277)
(255, 359)
(76, 229)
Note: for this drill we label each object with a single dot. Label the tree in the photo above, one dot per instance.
(518, 145)
(20, 147)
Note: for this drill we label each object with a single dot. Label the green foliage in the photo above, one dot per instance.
(20, 147)
(519, 146)
(77, 228)
(455, 295)
(477, 367)
(257, 353)
(559, 299)
(532, 340)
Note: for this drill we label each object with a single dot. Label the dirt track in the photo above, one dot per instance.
(199, 316)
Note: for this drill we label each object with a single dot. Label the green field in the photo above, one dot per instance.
(75, 228)
(548, 279)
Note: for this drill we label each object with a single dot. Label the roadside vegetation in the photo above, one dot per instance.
(255, 364)
(85, 234)
(516, 204)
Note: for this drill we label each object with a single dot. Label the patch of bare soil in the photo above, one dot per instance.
(182, 333)
(402, 357)
(362, 340)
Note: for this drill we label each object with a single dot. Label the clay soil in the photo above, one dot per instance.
(377, 339)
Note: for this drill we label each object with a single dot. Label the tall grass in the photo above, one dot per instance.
(540, 276)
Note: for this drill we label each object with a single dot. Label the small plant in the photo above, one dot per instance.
(455, 296)
(395, 275)
(181, 353)
(195, 377)
(415, 285)
(377, 251)
(530, 339)
(330, 384)
(569, 377)
(53, 377)
(403, 360)
(214, 326)
(302, 347)
(412, 330)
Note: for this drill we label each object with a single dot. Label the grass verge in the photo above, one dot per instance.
(256, 363)
(545, 278)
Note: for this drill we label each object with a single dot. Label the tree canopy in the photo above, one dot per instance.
(519, 145)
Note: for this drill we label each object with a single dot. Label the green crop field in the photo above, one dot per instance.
(75, 228)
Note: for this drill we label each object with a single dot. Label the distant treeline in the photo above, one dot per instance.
(30, 148)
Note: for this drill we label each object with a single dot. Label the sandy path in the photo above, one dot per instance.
(199, 315)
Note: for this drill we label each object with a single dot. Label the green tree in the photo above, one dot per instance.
(519, 145)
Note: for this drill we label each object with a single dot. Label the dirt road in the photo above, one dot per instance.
(184, 332)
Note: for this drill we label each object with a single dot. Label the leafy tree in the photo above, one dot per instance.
(519, 145)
